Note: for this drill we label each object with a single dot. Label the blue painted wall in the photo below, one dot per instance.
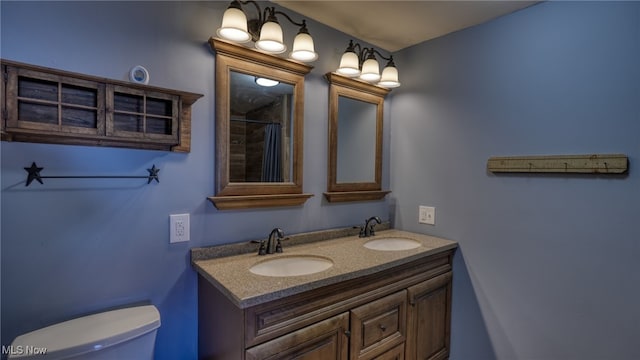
(548, 265)
(72, 247)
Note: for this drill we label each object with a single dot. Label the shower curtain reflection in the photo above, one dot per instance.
(272, 155)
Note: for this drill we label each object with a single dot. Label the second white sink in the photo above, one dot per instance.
(392, 244)
(291, 266)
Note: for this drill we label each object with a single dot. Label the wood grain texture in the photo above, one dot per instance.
(363, 195)
(584, 164)
(258, 201)
(397, 353)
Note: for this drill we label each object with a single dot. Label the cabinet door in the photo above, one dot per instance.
(378, 326)
(50, 104)
(326, 340)
(429, 319)
(141, 114)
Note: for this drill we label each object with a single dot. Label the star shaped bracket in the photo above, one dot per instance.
(34, 174)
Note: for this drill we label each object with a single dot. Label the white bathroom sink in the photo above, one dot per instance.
(392, 244)
(291, 266)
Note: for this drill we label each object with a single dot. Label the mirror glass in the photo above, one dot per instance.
(357, 128)
(261, 130)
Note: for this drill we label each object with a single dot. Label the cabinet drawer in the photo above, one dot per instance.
(378, 326)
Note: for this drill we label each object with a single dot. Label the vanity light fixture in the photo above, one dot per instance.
(361, 62)
(265, 31)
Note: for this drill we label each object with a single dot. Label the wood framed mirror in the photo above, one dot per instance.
(259, 128)
(355, 140)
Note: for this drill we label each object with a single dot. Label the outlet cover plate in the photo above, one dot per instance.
(179, 228)
(427, 215)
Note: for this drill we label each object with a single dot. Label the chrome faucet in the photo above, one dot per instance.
(368, 228)
(274, 244)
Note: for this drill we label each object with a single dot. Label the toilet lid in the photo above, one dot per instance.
(86, 334)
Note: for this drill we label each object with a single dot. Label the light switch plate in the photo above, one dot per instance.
(427, 215)
(179, 228)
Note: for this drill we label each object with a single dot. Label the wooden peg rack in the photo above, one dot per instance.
(585, 164)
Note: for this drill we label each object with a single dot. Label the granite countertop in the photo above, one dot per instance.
(231, 275)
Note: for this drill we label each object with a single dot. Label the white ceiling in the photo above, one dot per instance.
(395, 25)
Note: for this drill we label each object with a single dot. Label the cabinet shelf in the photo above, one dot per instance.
(47, 105)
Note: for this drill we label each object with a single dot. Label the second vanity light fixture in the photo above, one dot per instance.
(361, 62)
(265, 31)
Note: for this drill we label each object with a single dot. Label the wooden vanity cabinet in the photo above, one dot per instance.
(402, 312)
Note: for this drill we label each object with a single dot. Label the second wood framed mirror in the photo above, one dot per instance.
(355, 140)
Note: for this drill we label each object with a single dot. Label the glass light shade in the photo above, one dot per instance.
(271, 38)
(349, 65)
(370, 70)
(303, 49)
(234, 26)
(389, 78)
(266, 82)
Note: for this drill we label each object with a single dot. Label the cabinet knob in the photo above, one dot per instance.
(383, 328)
(348, 333)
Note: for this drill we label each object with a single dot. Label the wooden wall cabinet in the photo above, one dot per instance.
(52, 106)
(401, 313)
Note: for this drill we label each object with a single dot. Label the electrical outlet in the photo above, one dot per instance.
(179, 228)
(427, 215)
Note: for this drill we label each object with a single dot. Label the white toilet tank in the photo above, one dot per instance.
(128, 333)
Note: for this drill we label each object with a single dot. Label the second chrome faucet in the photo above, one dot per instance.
(368, 230)
(274, 243)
